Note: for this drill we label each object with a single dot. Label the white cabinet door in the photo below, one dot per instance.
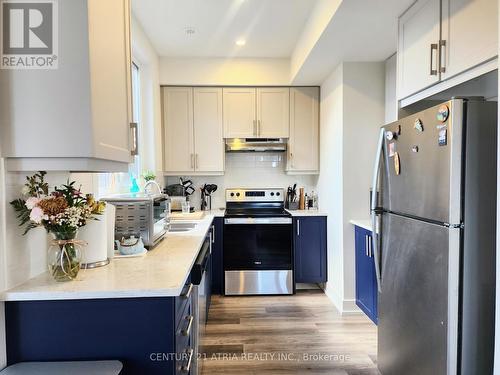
(239, 112)
(208, 132)
(303, 145)
(178, 145)
(273, 112)
(469, 33)
(419, 32)
(110, 61)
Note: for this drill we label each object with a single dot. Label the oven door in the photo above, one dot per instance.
(258, 255)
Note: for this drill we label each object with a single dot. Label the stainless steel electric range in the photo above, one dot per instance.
(258, 250)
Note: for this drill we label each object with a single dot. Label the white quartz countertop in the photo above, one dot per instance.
(162, 272)
(307, 213)
(363, 223)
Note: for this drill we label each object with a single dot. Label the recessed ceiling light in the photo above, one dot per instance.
(241, 42)
(190, 30)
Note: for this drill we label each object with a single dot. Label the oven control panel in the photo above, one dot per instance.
(255, 195)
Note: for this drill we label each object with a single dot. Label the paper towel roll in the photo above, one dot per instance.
(95, 233)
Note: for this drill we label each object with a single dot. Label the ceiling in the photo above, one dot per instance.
(270, 28)
(360, 30)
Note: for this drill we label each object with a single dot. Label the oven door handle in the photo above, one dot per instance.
(259, 220)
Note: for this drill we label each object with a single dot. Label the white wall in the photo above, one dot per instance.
(221, 71)
(319, 19)
(352, 110)
(250, 170)
(391, 102)
(330, 188)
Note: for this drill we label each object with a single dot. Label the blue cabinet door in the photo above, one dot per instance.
(217, 258)
(310, 249)
(366, 282)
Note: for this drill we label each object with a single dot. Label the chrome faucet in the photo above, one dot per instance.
(152, 182)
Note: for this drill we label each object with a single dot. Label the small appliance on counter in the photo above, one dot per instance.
(130, 246)
(206, 196)
(179, 194)
(140, 215)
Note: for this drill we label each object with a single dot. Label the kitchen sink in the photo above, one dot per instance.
(182, 227)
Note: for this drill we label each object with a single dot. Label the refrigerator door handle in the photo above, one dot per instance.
(376, 170)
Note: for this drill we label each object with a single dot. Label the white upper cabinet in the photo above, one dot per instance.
(208, 132)
(303, 145)
(419, 31)
(469, 34)
(239, 112)
(178, 145)
(77, 116)
(262, 112)
(441, 39)
(273, 112)
(193, 137)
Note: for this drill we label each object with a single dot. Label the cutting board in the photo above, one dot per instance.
(198, 215)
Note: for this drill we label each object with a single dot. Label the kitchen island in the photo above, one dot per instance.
(136, 310)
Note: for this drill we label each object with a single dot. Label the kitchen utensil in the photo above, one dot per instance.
(175, 190)
(302, 200)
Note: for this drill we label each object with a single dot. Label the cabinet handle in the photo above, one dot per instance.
(213, 234)
(434, 47)
(298, 227)
(187, 331)
(291, 159)
(366, 245)
(196, 160)
(190, 290)
(192, 161)
(135, 142)
(187, 368)
(442, 47)
(370, 246)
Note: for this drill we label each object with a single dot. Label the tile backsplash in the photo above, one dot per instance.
(248, 170)
(25, 256)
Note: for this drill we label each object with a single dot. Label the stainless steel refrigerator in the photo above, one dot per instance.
(434, 210)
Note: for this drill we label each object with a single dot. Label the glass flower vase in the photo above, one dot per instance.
(64, 256)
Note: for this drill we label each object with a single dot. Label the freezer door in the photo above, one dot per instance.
(422, 164)
(416, 336)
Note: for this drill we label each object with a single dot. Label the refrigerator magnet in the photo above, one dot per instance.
(442, 135)
(419, 126)
(443, 113)
(397, 165)
(392, 149)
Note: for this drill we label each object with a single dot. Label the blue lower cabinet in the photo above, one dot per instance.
(366, 281)
(148, 335)
(310, 249)
(217, 257)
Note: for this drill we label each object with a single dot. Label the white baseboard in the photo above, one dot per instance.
(344, 306)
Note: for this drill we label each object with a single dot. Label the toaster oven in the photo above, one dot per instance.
(141, 215)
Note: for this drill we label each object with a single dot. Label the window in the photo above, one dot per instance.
(135, 167)
(113, 183)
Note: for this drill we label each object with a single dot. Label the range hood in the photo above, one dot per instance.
(255, 145)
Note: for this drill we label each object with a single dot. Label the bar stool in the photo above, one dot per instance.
(64, 368)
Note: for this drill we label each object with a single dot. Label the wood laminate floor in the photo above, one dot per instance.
(300, 334)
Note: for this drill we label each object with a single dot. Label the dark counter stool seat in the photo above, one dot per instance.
(64, 368)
